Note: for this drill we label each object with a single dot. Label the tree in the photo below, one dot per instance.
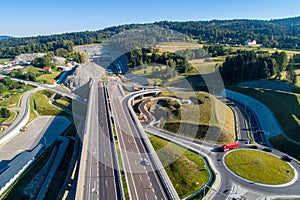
(281, 60)
(3, 88)
(4, 113)
(42, 62)
(290, 73)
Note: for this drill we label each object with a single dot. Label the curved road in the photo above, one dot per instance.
(231, 185)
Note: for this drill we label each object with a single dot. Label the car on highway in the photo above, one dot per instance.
(286, 158)
(253, 147)
(145, 162)
(267, 149)
(23, 129)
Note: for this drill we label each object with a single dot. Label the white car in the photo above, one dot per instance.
(145, 162)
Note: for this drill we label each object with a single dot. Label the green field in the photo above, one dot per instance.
(3, 60)
(148, 70)
(203, 67)
(285, 107)
(186, 169)
(48, 78)
(176, 46)
(64, 101)
(11, 101)
(259, 167)
(39, 103)
(194, 120)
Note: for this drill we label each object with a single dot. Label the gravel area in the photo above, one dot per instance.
(83, 74)
(28, 57)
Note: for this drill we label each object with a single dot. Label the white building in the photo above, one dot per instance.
(250, 42)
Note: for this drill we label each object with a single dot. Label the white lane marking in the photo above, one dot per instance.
(153, 190)
(146, 196)
(155, 196)
(105, 182)
(148, 178)
(135, 162)
(140, 177)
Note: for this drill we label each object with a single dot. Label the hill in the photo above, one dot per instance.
(280, 33)
(4, 37)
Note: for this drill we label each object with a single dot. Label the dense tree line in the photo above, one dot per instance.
(8, 84)
(249, 65)
(147, 56)
(284, 33)
(275, 33)
(205, 52)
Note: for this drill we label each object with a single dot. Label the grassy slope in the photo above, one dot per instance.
(48, 78)
(12, 102)
(211, 113)
(259, 167)
(188, 173)
(40, 103)
(285, 107)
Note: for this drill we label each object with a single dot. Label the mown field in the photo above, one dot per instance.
(259, 167)
(186, 169)
(176, 46)
(40, 105)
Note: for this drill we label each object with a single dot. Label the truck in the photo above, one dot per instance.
(230, 146)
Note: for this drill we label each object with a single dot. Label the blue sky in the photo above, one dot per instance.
(44, 17)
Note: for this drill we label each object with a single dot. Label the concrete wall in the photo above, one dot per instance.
(265, 116)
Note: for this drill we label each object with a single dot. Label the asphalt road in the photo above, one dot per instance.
(231, 185)
(24, 109)
(101, 179)
(143, 181)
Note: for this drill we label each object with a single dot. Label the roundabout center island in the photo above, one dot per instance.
(259, 167)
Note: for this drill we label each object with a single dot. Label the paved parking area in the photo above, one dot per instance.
(42, 130)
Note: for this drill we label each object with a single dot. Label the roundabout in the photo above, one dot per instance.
(260, 167)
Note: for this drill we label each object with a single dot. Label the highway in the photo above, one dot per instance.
(142, 180)
(98, 163)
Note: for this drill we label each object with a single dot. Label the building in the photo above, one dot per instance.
(47, 70)
(250, 42)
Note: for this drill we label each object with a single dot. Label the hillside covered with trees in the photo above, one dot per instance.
(281, 33)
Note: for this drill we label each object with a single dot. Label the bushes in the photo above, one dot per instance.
(4, 113)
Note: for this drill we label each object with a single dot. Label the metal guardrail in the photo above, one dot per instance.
(160, 169)
(114, 147)
(211, 174)
(82, 158)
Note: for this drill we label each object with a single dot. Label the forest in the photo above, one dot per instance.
(281, 33)
(250, 65)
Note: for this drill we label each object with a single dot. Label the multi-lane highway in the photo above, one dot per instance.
(99, 170)
(143, 180)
